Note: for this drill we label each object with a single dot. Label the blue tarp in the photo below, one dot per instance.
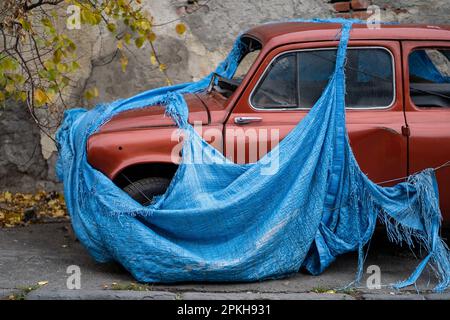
(422, 66)
(221, 221)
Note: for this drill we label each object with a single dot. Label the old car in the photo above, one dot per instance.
(397, 99)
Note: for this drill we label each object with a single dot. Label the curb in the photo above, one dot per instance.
(99, 295)
(164, 295)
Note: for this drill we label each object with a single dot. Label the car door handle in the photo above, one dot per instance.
(245, 120)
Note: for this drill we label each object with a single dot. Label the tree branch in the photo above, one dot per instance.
(41, 3)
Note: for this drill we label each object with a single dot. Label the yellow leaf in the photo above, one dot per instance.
(49, 64)
(153, 59)
(27, 196)
(180, 28)
(89, 94)
(127, 38)
(144, 25)
(59, 213)
(61, 67)
(52, 202)
(42, 283)
(162, 67)
(40, 97)
(2, 96)
(120, 45)
(151, 36)
(10, 87)
(124, 63)
(22, 96)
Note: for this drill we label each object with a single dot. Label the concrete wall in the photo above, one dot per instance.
(27, 158)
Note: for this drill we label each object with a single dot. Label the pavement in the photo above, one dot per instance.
(34, 263)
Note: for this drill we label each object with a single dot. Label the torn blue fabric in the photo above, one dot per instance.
(221, 221)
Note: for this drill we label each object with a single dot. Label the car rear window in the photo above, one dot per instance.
(429, 77)
(297, 79)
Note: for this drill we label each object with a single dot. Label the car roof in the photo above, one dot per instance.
(287, 32)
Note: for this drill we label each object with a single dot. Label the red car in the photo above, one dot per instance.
(398, 105)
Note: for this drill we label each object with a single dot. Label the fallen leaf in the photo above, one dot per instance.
(42, 283)
(15, 209)
(7, 196)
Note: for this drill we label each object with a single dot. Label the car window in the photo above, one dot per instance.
(429, 77)
(278, 89)
(369, 79)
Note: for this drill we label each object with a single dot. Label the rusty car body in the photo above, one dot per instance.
(392, 134)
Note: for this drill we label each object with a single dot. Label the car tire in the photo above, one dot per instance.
(144, 190)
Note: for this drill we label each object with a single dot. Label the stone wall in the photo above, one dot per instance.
(27, 158)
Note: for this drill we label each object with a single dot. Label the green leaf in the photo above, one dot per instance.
(57, 56)
(8, 64)
(61, 67)
(91, 93)
(26, 25)
(111, 27)
(74, 66)
(46, 22)
(23, 96)
(139, 41)
(127, 38)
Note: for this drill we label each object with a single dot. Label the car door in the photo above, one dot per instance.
(374, 120)
(427, 104)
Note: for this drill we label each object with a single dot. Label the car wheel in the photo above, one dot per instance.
(144, 190)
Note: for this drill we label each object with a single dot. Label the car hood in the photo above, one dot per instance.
(155, 116)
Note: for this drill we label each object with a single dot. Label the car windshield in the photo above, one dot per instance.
(226, 87)
(252, 50)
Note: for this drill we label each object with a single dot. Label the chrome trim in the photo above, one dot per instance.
(394, 98)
